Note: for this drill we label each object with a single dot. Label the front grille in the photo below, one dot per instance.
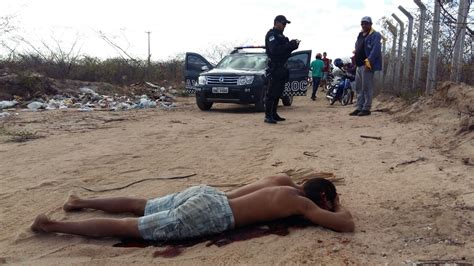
(221, 80)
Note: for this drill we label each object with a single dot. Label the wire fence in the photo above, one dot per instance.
(443, 52)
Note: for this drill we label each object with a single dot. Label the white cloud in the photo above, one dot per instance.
(179, 26)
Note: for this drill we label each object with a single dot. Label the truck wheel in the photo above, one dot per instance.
(287, 100)
(203, 105)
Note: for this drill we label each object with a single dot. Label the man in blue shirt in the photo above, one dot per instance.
(368, 59)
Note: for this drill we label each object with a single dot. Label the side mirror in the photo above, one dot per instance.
(204, 68)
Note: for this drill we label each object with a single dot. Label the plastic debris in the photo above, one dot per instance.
(85, 109)
(148, 95)
(35, 106)
(87, 90)
(122, 107)
(167, 105)
(7, 104)
(55, 104)
(7, 114)
(145, 103)
(4, 114)
(151, 84)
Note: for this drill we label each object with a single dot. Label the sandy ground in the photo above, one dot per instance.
(411, 193)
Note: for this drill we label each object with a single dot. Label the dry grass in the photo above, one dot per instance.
(19, 136)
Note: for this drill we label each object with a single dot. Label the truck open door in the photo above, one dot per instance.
(194, 65)
(298, 65)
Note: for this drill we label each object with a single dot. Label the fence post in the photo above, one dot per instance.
(406, 67)
(400, 53)
(459, 40)
(431, 75)
(472, 53)
(384, 49)
(391, 62)
(419, 47)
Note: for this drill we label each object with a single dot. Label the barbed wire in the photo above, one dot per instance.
(452, 19)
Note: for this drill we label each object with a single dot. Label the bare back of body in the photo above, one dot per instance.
(265, 205)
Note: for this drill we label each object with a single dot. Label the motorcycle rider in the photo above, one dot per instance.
(345, 72)
(278, 48)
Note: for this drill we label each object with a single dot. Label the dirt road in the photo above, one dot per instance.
(411, 199)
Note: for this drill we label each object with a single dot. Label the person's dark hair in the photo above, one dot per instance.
(318, 56)
(315, 188)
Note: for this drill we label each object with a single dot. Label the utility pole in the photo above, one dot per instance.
(149, 54)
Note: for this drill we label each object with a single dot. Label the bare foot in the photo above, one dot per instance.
(71, 203)
(40, 223)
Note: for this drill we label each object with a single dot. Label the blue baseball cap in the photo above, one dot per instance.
(366, 19)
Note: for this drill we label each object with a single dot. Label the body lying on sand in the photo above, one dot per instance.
(204, 210)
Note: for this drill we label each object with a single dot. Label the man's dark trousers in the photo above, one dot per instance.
(278, 78)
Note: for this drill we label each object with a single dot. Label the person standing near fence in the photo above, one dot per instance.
(317, 67)
(368, 59)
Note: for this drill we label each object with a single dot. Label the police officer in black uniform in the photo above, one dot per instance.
(278, 48)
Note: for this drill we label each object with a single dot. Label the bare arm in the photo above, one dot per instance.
(340, 220)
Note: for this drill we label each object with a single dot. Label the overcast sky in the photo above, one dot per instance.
(179, 26)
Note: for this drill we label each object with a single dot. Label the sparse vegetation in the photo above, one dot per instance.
(115, 70)
(18, 136)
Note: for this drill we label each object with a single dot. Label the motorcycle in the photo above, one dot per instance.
(340, 88)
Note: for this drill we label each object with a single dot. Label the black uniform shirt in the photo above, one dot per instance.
(277, 47)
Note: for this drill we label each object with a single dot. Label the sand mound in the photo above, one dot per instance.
(456, 96)
(450, 112)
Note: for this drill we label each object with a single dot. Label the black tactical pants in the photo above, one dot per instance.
(278, 78)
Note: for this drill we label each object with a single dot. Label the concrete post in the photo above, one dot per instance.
(459, 41)
(419, 47)
(391, 61)
(407, 65)
(384, 50)
(400, 53)
(431, 75)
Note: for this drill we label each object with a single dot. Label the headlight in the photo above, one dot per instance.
(245, 80)
(202, 80)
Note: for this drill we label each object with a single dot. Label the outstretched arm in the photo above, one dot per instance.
(339, 220)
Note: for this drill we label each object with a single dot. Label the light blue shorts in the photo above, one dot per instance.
(196, 211)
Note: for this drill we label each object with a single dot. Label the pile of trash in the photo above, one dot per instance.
(88, 100)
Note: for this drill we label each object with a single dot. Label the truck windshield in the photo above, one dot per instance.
(244, 62)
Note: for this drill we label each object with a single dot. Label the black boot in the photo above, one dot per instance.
(268, 112)
(275, 114)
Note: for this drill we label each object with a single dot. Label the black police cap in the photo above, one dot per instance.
(282, 19)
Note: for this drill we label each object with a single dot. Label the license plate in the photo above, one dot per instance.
(220, 90)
